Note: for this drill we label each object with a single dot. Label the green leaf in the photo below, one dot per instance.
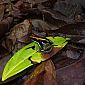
(37, 57)
(58, 41)
(19, 61)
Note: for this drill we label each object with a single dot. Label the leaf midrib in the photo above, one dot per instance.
(18, 64)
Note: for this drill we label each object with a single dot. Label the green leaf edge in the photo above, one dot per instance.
(4, 77)
(29, 45)
(52, 39)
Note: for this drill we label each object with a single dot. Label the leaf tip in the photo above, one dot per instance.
(3, 78)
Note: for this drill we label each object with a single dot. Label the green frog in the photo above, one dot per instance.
(44, 43)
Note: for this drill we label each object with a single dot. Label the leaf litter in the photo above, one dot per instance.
(45, 18)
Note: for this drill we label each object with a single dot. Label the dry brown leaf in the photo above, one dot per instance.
(44, 74)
